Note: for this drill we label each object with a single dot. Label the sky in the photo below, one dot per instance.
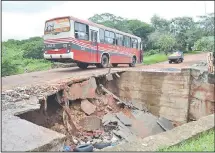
(24, 19)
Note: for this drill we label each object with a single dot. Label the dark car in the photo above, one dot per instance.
(176, 57)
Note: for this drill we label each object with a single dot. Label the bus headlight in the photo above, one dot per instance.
(68, 51)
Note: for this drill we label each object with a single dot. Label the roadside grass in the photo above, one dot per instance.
(156, 58)
(202, 142)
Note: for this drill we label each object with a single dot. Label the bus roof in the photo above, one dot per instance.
(96, 25)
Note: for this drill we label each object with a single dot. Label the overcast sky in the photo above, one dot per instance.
(24, 19)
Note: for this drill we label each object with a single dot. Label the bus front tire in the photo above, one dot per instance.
(133, 62)
(82, 65)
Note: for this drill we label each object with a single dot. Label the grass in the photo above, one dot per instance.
(203, 142)
(156, 58)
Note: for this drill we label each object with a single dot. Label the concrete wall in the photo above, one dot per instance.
(164, 94)
(202, 95)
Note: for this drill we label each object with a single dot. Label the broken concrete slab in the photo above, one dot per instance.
(108, 118)
(90, 123)
(124, 119)
(165, 123)
(21, 135)
(87, 107)
(83, 90)
(149, 122)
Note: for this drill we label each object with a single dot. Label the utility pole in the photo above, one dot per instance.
(205, 8)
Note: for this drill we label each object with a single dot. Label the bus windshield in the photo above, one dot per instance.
(57, 26)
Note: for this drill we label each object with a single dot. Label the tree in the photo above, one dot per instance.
(166, 42)
(205, 44)
(207, 24)
(160, 24)
(179, 27)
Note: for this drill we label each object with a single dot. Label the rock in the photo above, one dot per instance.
(90, 123)
(109, 77)
(75, 141)
(114, 139)
(87, 107)
(83, 90)
(124, 119)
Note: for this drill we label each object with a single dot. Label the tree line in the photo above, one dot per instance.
(158, 36)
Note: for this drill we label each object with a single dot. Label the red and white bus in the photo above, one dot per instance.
(68, 39)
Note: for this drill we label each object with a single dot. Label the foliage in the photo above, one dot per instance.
(23, 56)
(203, 142)
(166, 42)
(204, 44)
(151, 52)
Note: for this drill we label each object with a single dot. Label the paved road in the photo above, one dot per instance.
(62, 73)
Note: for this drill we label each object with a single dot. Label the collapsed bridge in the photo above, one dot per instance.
(37, 114)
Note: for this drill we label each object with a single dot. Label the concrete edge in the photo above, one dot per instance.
(54, 145)
(169, 138)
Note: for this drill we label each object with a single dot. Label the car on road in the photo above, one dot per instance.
(176, 57)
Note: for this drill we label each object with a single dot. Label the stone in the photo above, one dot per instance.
(165, 123)
(83, 90)
(90, 123)
(87, 107)
(124, 119)
(109, 77)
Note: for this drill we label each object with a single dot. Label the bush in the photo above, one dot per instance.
(204, 44)
(151, 52)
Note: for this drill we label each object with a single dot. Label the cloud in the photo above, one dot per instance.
(18, 24)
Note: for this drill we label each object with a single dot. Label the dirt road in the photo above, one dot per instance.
(62, 73)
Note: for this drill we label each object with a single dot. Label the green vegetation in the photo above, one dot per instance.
(156, 58)
(159, 37)
(23, 56)
(203, 142)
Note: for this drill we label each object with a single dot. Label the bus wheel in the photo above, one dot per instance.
(114, 65)
(133, 62)
(104, 61)
(82, 65)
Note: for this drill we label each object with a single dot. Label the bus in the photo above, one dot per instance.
(69, 39)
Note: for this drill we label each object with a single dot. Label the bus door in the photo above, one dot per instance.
(94, 49)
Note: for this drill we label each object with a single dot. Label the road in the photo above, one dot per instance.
(63, 73)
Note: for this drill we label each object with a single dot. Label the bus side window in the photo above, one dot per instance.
(81, 31)
(127, 42)
(119, 40)
(102, 35)
(109, 37)
(134, 43)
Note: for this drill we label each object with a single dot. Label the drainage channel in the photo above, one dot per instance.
(92, 117)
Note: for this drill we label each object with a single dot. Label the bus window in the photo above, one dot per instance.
(81, 31)
(134, 43)
(119, 39)
(102, 35)
(109, 37)
(127, 41)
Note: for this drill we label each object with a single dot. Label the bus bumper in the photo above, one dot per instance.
(59, 56)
